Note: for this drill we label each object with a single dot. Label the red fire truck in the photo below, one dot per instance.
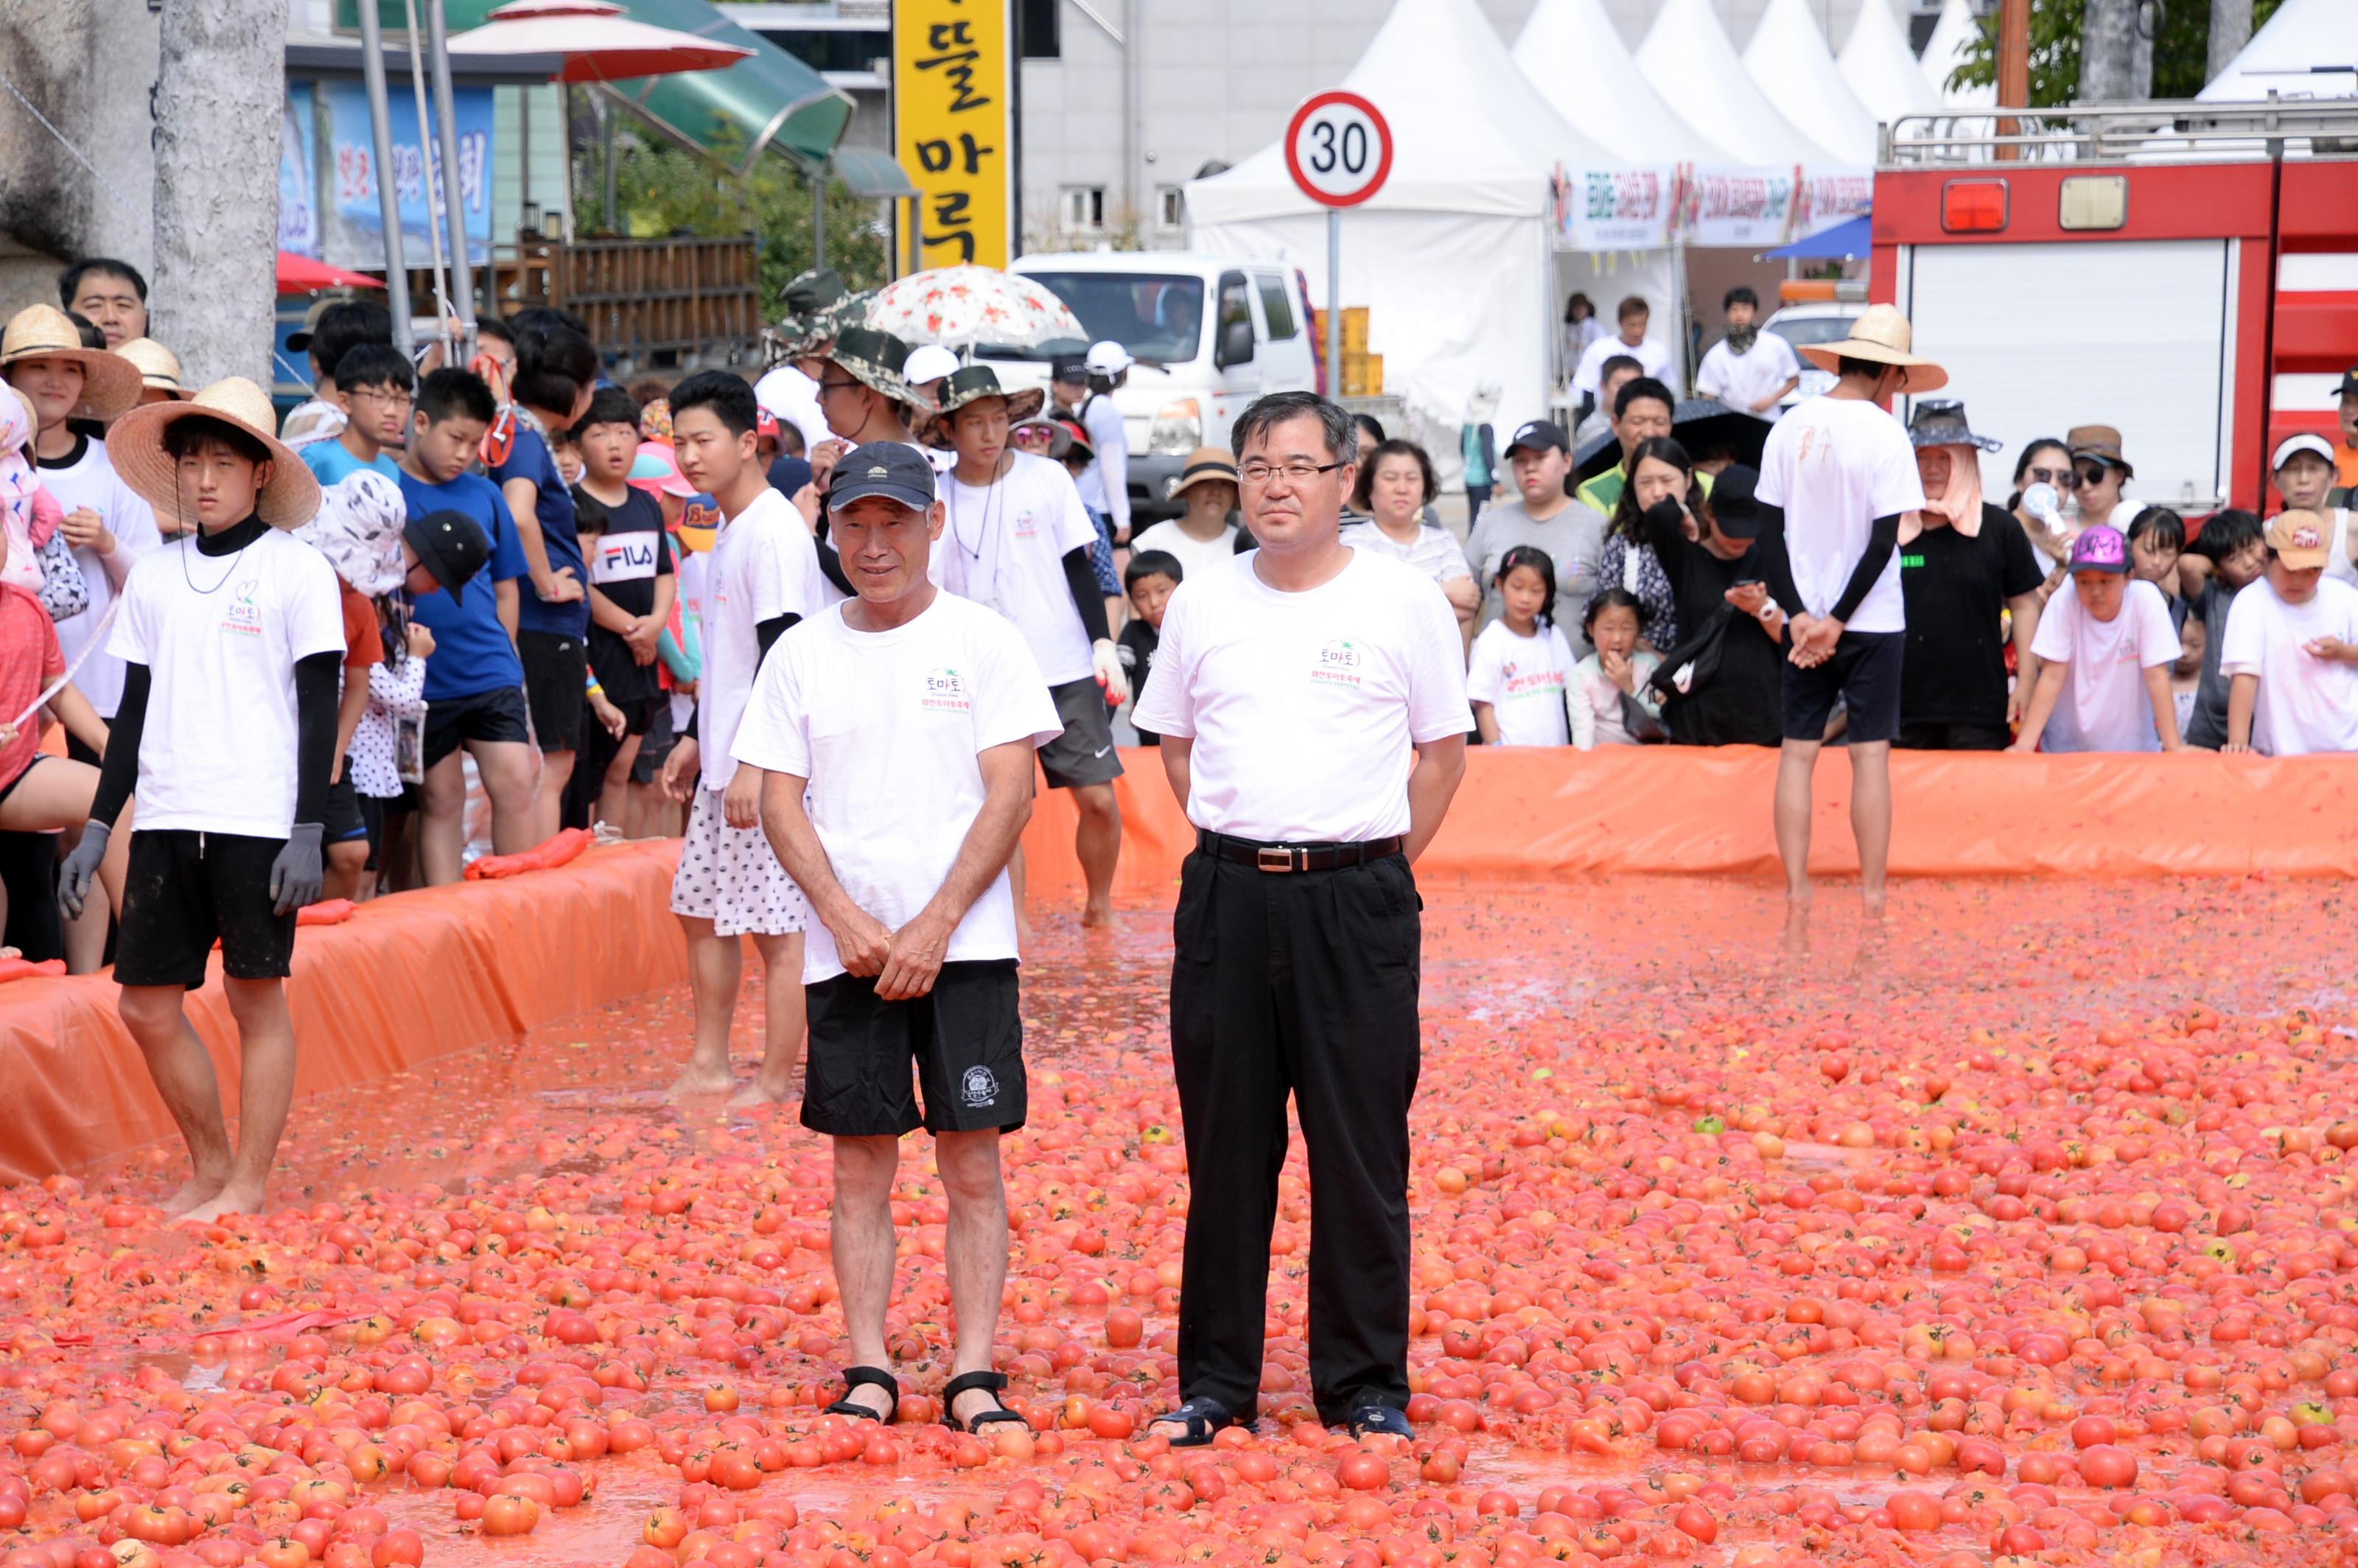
(2186, 272)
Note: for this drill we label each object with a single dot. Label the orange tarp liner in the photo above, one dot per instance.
(426, 973)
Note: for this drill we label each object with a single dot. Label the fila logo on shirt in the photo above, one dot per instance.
(245, 616)
(1337, 664)
(944, 692)
(624, 557)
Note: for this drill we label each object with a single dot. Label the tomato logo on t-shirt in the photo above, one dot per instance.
(245, 615)
(1027, 524)
(945, 691)
(1338, 663)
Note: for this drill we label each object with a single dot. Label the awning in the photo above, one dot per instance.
(872, 175)
(1846, 241)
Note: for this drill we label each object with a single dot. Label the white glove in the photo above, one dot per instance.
(1105, 662)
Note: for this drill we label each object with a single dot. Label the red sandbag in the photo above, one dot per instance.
(327, 912)
(567, 845)
(25, 969)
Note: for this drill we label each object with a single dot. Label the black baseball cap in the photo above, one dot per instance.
(2349, 387)
(1070, 368)
(1539, 436)
(450, 544)
(1734, 509)
(888, 468)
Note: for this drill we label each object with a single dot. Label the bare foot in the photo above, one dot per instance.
(232, 1200)
(699, 1080)
(1099, 915)
(761, 1091)
(1874, 903)
(194, 1193)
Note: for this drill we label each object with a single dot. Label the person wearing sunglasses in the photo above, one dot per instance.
(2046, 462)
(2103, 470)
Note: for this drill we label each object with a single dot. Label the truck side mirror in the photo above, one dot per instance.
(1236, 344)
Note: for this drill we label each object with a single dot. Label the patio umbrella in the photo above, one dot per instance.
(958, 307)
(301, 275)
(599, 43)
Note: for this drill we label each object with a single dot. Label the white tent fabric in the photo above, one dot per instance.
(1788, 61)
(1689, 60)
(1572, 53)
(1945, 50)
(1881, 70)
(1452, 258)
(2302, 34)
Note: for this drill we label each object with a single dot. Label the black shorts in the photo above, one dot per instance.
(1943, 735)
(965, 1037)
(1863, 672)
(181, 891)
(495, 715)
(656, 745)
(342, 815)
(1084, 754)
(555, 679)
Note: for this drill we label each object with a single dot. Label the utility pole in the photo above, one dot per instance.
(2107, 51)
(2013, 67)
(221, 95)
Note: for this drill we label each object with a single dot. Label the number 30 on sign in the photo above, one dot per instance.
(1338, 149)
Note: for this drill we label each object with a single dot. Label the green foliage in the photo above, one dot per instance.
(2180, 48)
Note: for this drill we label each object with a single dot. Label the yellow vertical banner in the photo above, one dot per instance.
(954, 125)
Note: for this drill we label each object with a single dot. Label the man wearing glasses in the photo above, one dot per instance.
(1311, 704)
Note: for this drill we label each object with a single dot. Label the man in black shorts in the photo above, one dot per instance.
(233, 638)
(896, 733)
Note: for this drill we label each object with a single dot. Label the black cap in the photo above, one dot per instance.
(1735, 511)
(1539, 436)
(882, 468)
(1070, 368)
(450, 544)
(2349, 387)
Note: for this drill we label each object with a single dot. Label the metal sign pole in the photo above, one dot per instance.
(462, 273)
(1335, 302)
(396, 275)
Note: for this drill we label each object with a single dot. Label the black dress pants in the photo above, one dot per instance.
(1301, 983)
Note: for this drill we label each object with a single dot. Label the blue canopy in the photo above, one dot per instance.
(1846, 241)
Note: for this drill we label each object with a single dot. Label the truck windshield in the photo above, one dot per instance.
(1158, 318)
(1803, 331)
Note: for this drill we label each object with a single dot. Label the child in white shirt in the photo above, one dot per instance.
(1521, 663)
(1618, 669)
(2291, 648)
(2106, 648)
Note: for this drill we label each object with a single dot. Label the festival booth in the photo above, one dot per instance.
(1949, 48)
(1788, 59)
(1452, 255)
(1881, 70)
(2305, 52)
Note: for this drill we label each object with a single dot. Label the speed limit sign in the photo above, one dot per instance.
(1338, 149)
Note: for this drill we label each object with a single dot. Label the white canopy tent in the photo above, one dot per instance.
(1788, 59)
(1946, 49)
(1686, 57)
(2309, 49)
(1572, 53)
(1453, 255)
(1880, 69)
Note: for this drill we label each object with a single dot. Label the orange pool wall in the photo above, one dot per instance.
(426, 973)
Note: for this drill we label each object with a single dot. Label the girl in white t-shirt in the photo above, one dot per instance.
(2106, 649)
(1521, 663)
(1618, 669)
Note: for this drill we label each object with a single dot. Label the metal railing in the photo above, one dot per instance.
(672, 302)
(2176, 131)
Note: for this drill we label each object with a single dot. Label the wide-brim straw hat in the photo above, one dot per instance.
(158, 367)
(110, 384)
(874, 357)
(1880, 336)
(135, 446)
(972, 385)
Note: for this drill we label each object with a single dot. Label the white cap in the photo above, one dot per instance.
(928, 362)
(2304, 442)
(1108, 358)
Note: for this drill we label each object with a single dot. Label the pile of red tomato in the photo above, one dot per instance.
(1853, 1254)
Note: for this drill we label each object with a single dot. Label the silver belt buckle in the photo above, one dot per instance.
(1274, 858)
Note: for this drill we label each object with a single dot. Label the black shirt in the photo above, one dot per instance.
(2208, 726)
(629, 552)
(1743, 702)
(1953, 671)
(1135, 648)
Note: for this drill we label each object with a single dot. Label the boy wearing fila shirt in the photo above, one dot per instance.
(765, 578)
(233, 640)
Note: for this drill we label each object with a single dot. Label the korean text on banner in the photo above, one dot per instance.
(1739, 207)
(299, 174)
(953, 107)
(352, 233)
(1614, 209)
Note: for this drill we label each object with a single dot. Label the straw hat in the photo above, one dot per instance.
(110, 384)
(1880, 336)
(158, 367)
(136, 446)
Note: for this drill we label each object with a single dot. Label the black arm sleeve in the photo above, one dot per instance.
(1776, 566)
(118, 772)
(1669, 542)
(315, 694)
(1880, 543)
(830, 563)
(765, 632)
(1082, 578)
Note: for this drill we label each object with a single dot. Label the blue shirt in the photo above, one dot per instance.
(331, 462)
(471, 651)
(529, 459)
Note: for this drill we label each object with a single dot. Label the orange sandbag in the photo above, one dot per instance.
(327, 912)
(25, 969)
(556, 852)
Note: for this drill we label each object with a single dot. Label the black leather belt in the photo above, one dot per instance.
(1296, 856)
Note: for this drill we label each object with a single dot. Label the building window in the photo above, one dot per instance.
(1084, 208)
(1171, 207)
(1036, 29)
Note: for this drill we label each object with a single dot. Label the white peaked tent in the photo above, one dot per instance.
(1451, 257)
(1572, 53)
(1881, 70)
(1788, 61)
(1946, 49)
(2302, 34)
(1687, 58)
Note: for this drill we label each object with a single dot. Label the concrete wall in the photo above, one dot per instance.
(89, 65)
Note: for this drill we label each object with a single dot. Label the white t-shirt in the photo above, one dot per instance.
(1523, 681)
(1195, 555)
(1594, 702)
(1004, 545)
(1835, 465)
(2105, 706)
(1742, 380)
(794, 397)
(886, 726)
(764, 565)
(90, 481)
(1303, 707)
(1589, 376)
(221, 636)
(1434, 551)
(2306, 704)
(1105, 483)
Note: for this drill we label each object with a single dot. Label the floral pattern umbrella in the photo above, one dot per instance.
(958, 307)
